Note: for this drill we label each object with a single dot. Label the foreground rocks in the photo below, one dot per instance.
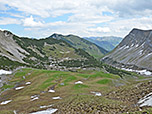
(122, 100)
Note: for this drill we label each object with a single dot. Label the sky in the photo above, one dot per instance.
(85, 18)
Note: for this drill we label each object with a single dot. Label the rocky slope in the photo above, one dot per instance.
(134, 51)
(9, 48)
(77, 42)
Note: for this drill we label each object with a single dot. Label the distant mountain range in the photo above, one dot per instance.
(134, 51)
(108, 43)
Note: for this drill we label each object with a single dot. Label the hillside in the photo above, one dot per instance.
(134, 51)
(83, 85)
(81, 43)
(32, 90)
(45, 53)
(108, 43)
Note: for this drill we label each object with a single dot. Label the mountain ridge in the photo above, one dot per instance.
(78, 42)
(134, 50)
(41, 53)
(107, 42)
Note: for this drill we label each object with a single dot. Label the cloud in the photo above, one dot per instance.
(43, 8)
(60, 27)
(51, 8)
(131, 8)
(3, 7)
(99, 29)
(116, 27)
(85, 17)
(124, 26)
(89, 18)
(29, 22)
(16, 15)
(6, 21)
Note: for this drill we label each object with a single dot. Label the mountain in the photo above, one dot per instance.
(77, 42)
(134, 51)
(45, 53)
(93, 88)
(108, 43)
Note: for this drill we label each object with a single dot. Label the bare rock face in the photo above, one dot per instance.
(9, 48)
(134, 50)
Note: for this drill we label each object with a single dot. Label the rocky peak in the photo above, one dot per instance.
(7, 33)
(56, 36)
(135, 49)
(137, 38)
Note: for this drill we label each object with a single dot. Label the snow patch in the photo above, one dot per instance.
(126, 47)
(130, 70)
(79, 82)
(45, 106)
(122, 47)
(28, 83)
(55, 98)
(146, 101)
(143, 45)
(137, 45)
(15, 112)
(142, 72)
(48, 111)
(34, 97)
(18, 88)
(96, 93)
(140, 52)
(148, 54)
(132, 45)
(5, 72)
(51, 91)
(5, 102)
(145, 72)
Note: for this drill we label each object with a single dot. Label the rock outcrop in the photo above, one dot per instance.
(135, 50)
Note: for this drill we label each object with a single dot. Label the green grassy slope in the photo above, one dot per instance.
(43, 51)
(6, 63)
(81, 43)
(75, 97)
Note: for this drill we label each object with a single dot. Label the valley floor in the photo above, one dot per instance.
(84, 92)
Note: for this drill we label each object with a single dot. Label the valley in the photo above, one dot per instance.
(75, 56)
(68, 75)
(106, 42)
